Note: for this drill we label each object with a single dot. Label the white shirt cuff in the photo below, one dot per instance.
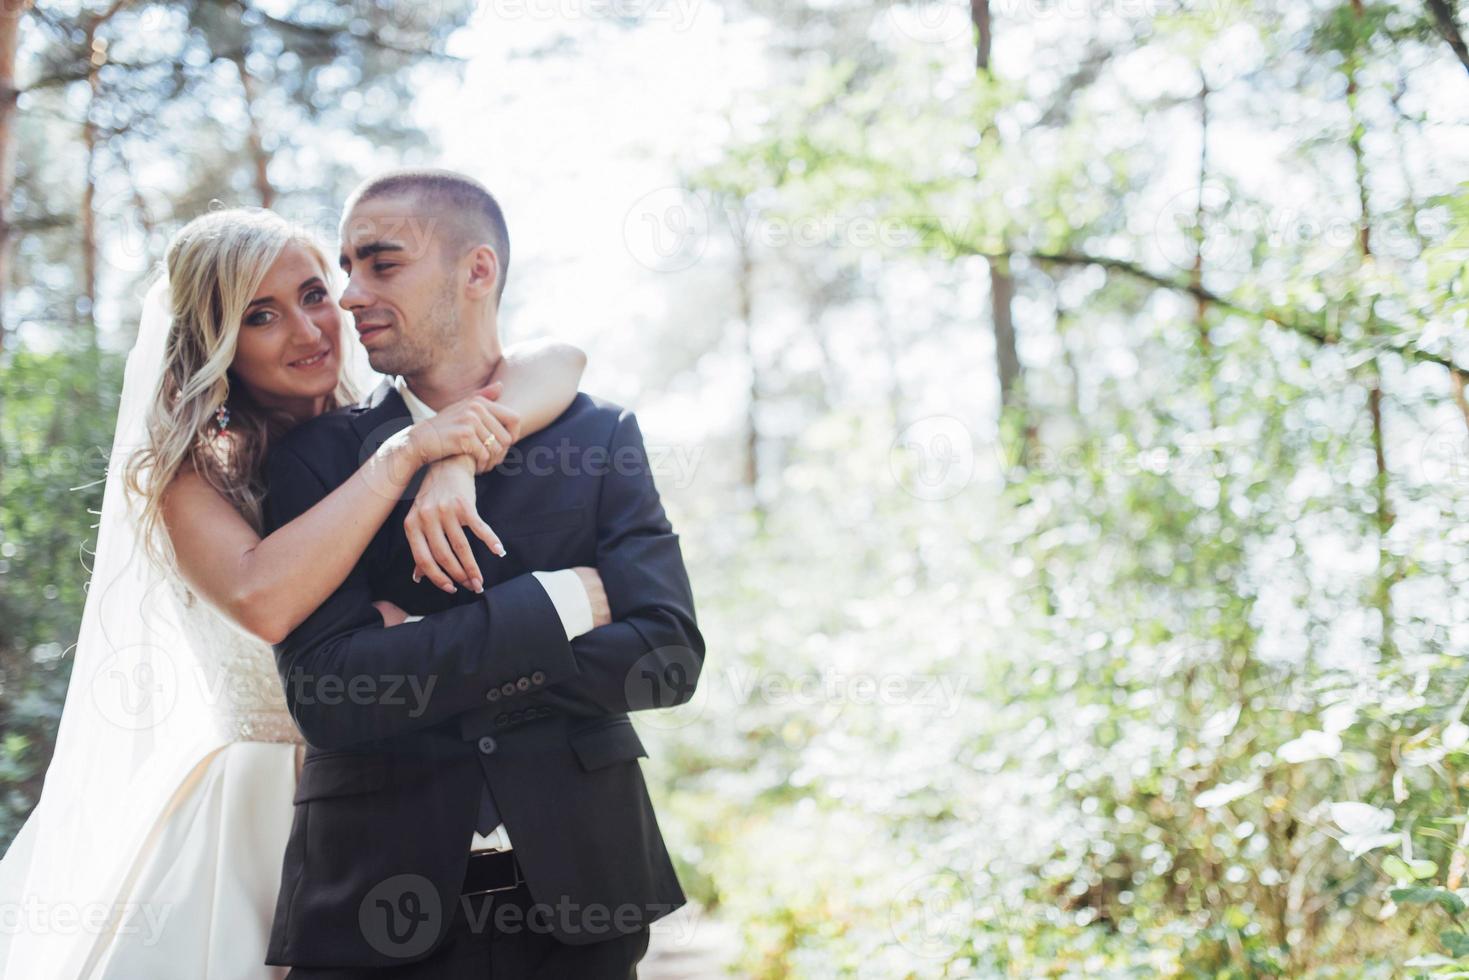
(569, 597)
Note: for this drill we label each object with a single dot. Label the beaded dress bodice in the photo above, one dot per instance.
(238, 673)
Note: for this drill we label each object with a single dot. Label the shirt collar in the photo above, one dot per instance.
(416, 408)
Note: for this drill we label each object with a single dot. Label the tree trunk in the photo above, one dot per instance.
(751, 474)
(9, 38)
(1002, 295)
(1002, 284)
(96, 54)
(979, 15)
(1448, 27)
(258, 153)
(1388, 570)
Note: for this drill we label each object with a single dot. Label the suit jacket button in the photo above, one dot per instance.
(507, 688)
(538, 677)
(523, 684)
(493, 694)
(487, 745)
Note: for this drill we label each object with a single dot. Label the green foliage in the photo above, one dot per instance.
(1211, 651)
(56, 418)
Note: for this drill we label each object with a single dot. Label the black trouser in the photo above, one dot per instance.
(500, 936)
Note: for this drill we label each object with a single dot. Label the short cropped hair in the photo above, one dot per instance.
(466, 211)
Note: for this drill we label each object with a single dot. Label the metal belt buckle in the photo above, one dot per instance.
(469, 883)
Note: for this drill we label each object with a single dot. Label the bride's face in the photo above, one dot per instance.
(289, 351)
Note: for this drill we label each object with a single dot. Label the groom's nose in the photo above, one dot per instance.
(354, 297)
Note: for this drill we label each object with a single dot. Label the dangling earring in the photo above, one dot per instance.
(221, 419)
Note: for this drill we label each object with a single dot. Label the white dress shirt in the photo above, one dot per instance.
(563, 587)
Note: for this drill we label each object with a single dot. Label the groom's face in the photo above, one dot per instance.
(402, 289)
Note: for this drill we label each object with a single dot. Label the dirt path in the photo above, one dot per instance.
(689, 945)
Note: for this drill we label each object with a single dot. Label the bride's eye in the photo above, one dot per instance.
(259, 318)
(315, 296)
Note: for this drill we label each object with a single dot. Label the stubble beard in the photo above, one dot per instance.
(419, 352)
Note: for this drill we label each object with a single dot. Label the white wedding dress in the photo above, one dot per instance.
(199, 895)
(204, 887)
(155, 848)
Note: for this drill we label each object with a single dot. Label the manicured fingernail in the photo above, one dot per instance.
(500, 551)
(476, 585)
(417, 577)
(450, 588)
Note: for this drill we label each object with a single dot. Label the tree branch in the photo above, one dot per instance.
(1281, 318)
(1448, 26)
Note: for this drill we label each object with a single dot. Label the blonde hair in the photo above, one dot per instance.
(215, 264)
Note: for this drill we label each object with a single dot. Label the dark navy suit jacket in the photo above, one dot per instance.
(405, 724)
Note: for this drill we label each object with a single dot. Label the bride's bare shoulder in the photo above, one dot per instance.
(190, 497)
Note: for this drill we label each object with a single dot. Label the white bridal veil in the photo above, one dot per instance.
(137, 720)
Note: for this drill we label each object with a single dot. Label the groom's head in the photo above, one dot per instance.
(425, 252)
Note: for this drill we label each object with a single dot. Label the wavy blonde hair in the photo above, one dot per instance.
(215, 264)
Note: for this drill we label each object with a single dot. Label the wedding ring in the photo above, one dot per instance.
(491, 443)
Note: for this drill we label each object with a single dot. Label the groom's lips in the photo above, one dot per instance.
(369, 330)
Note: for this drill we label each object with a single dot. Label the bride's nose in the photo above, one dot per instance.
(304, 329)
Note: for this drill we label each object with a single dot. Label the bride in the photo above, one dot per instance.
(156, 846)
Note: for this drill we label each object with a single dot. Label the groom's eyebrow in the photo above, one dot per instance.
(370, 249)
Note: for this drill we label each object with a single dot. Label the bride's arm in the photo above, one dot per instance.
(540, 380)
(269, 586)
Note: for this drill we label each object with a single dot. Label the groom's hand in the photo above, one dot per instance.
(596, 595)
(392, 614)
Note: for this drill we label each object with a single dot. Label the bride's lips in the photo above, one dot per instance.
(312, 361)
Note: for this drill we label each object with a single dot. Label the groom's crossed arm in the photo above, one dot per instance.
(652, 653)
(348, 679)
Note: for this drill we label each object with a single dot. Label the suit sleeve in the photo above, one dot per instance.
(348, 679)
(651, 654)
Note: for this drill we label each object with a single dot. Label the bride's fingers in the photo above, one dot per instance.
(509, 418)
(443, 554)
(459, 544)
(423, 560)
(503, 439)
(474, 446)
(483, 531)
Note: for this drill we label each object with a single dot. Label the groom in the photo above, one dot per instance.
(471, 804)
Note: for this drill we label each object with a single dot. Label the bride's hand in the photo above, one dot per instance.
(435, 527)
(461, 430)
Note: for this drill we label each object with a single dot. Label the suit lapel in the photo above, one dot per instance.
(379, 416)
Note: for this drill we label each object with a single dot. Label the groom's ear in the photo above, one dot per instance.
(484, 272)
